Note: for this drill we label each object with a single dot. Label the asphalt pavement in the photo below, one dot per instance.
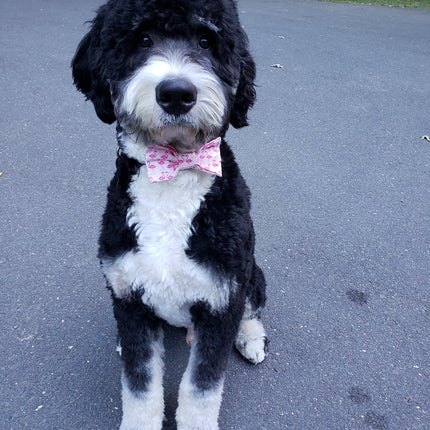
(341, 204)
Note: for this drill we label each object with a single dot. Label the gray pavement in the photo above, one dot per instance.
(341, 205)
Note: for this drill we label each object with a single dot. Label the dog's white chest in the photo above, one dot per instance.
(161, 216)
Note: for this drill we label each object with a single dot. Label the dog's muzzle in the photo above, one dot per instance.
(176, 96)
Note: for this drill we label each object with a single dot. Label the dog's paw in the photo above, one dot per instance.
(206, 426)
(251, 341)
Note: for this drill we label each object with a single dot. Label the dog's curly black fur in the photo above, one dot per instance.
(110, 51)
(182, 250)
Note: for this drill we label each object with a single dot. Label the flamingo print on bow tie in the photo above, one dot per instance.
(165, 162)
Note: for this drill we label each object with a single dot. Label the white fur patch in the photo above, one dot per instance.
(197, 410)
(161, 216)
(251, 340)
(145, 411)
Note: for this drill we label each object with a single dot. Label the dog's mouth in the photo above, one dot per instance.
(183, 138)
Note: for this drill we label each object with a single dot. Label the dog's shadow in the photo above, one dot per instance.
(175, 361)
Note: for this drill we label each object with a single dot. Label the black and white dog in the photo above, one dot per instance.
(178, 248)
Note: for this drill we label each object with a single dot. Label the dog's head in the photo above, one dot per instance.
(169, 71)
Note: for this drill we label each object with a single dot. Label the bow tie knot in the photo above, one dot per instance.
(165, 162)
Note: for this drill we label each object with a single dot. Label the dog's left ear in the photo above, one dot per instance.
(89, 78)
(245, 94)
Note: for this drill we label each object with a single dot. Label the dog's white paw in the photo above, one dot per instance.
(206, 426)
(251, 340)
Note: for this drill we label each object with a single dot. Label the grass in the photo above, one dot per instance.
(397, 3)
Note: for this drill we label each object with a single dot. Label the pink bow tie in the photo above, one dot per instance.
(164, 162)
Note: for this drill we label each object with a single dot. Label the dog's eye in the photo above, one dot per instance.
(204, 43)
(146, 41)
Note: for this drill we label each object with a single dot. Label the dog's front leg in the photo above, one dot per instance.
(141, 346)
(201, 387)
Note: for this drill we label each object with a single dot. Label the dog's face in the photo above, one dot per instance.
(170, 72)
(174, 97)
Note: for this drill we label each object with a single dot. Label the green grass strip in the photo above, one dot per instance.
(396, 3)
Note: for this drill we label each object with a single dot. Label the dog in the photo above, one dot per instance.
(177, 240)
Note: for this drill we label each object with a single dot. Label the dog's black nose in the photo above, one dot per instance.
(176, 96)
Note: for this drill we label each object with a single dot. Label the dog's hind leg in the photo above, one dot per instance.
(201, 387)
(251, 340)
(141, 342)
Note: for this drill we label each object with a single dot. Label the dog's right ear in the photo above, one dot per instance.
(245, 94)
(89, 78)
